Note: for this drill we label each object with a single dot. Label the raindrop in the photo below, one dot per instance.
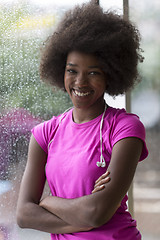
(24, 100)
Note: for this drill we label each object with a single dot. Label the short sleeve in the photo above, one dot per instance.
(129, 125)
(42, 133)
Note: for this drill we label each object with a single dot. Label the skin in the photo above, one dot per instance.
(30, 214)
(84, 75)
(85, 83)
(96, 209)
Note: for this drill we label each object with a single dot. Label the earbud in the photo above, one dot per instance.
(101, 164)
(98, 164)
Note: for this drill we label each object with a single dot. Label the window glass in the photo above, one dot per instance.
(24, 99)
(146, 103)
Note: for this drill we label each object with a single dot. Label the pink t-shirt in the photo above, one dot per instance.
(73, 151)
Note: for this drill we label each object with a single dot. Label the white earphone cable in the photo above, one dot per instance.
(102, 162)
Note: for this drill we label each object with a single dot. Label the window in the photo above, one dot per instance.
(146, 103)
(25, 101)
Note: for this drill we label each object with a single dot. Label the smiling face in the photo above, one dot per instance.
(84, 80)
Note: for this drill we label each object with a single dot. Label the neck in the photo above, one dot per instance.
(82, 115)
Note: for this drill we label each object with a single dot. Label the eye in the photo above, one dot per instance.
(71, 71)
(94, 73)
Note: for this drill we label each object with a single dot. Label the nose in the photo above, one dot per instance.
(81, 80)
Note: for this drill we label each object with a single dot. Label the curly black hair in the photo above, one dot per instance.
(113, 40)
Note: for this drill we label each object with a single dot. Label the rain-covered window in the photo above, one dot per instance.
(25, 101)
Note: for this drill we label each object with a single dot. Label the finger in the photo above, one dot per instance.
(102, 182)
(102, 176)
(98, 188)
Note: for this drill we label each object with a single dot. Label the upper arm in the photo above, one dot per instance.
(124, 159)
(34, 175)
(125, 156)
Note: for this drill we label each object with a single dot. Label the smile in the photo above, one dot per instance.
(81, 94)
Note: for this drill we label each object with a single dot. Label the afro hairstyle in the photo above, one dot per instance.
(87, 28)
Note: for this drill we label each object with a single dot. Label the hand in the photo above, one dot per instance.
(99, 184)
(45, 201)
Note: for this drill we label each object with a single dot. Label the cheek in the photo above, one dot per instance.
(65, 81)
(68, 81)
(102, 86)
(67, 84)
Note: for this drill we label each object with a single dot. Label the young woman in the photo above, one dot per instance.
(89, 153)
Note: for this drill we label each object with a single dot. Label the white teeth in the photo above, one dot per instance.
(81, 94)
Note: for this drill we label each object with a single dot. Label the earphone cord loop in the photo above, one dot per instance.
(102, 162)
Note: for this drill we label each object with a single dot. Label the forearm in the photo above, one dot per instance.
(35, 217)
(96, 209)
(80, 211)
(76, 212)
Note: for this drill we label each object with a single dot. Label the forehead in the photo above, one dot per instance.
(81, 58)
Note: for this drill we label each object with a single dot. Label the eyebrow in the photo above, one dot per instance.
(93, 66)
(75, 65)
(71, 64)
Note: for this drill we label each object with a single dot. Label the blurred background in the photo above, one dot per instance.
(25, 101)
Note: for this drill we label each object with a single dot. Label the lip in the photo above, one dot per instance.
(82, 93)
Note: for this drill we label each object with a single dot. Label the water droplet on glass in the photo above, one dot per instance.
(24, 100)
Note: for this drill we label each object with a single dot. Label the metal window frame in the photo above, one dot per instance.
(128, 108)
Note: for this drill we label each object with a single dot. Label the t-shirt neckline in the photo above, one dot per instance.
(86, 124)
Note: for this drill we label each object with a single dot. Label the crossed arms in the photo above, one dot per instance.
(58, 215)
